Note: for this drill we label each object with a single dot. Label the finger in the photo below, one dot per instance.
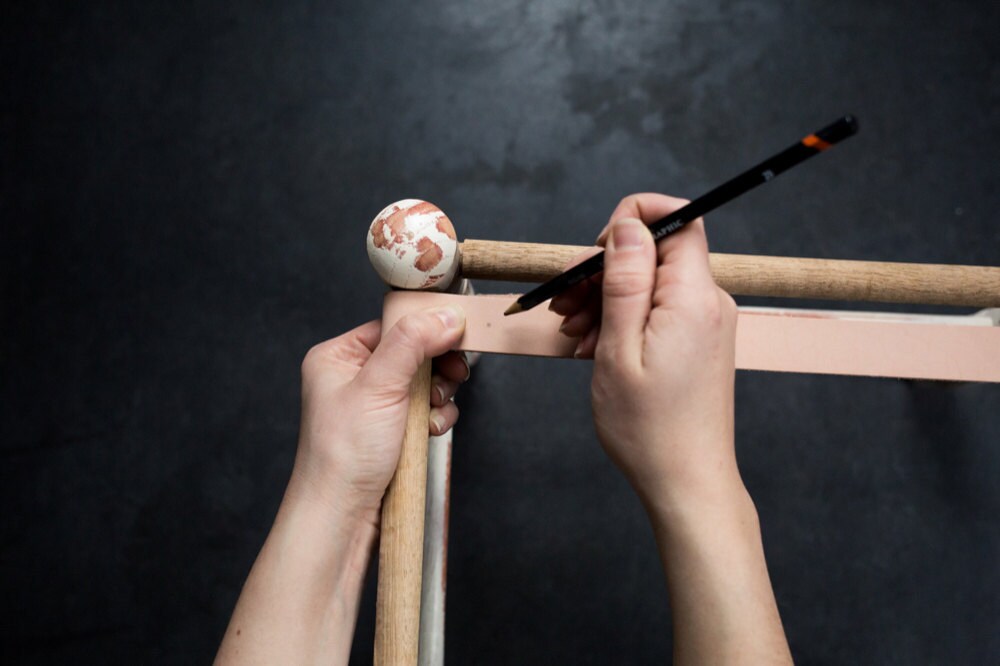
(441, 419)
(368, 334)
(627, 288)
(587, 346)
(453, 366)
(415, 338)
(578, 324)
(678, 247)
(684, 263)
(646, 206)
(571, 300)
(351, 348)
(442, 390)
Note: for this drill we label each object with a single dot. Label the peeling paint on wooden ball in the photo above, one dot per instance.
(412, 245)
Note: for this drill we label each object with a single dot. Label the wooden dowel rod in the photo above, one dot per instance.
(753, 275)
(845, 280)
(400, 556)
(514, 262)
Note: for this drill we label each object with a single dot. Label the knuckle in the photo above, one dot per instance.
(728, 305)
(711, 309)
(717, 309)
(626, 281)
(312, 361)
(629, 199)
(410, 331)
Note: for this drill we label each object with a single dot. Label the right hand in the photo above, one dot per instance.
(662, 335)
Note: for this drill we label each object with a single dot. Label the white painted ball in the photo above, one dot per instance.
(412, 245)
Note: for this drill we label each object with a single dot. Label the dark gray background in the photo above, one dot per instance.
(185, 193)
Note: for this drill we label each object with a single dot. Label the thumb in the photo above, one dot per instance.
(627, 286)
(414, 339)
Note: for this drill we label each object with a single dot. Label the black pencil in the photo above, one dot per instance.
(811, 145)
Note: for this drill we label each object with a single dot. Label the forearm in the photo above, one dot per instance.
(300, 602)
(721, 599)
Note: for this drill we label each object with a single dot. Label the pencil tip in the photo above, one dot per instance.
(514, 309)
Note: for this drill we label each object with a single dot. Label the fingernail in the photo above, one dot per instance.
(468, 368)
(450, 316)
(629, 234)
(440, 392)
(438, 423)
(562, 327)
(579, 347)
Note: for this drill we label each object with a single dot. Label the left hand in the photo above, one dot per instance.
(355, 396)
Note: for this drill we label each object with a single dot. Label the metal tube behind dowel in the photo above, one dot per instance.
(753, 275)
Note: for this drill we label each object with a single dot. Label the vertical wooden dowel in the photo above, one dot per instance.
(400, 557)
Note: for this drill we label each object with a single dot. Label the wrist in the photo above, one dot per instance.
(706, 484)
(304, 587)
(713, 506)
(321, 481)
(328, 535)
(680, 468)
(323, 492)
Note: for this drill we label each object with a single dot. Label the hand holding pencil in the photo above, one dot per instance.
(662, 335)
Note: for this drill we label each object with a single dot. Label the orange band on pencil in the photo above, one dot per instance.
(814, 141)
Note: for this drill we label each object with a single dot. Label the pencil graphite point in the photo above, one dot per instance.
(513, 309)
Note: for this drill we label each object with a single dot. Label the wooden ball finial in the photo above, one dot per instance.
(412, 245)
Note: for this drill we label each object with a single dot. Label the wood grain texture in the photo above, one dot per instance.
(514, 262)
(400, 557)
(753, 275)
(844, 280)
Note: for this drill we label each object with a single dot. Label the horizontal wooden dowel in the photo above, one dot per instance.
(753, 275)
(845, 280)
(514, 262)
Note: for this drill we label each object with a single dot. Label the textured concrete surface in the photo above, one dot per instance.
(184, 193)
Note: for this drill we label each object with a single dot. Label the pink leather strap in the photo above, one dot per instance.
(802, 342)
(531, 333)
